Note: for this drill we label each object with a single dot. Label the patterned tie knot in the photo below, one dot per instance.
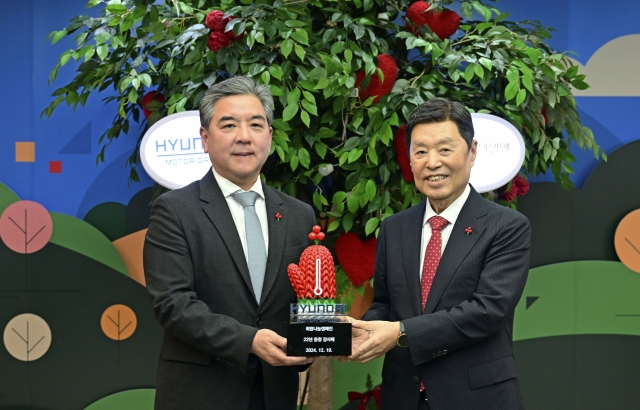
(437, 223)
(245, 198)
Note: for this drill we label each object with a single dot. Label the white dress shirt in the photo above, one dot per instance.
(450, 214)
(237, 211)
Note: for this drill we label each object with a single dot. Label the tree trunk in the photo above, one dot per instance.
(321, 384)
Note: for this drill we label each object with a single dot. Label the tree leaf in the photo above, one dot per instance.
(384, 173)
(300, 52)
(469, 72)
(301, 36)
(117, 9)
(102, 51)
(303, 156)
(512, 74)
(371, 189)
(512, 90)
(486, 63)
(286, 47)
(571, 72)
(266, 77)
(371, 225)
(295, 23)
(311, 108)
(579, 85)
(58, 35)
(333, 226)
(133, 96)
(354, 155)
(527, 83)
(353, 203)
(339, 197)
(347, 220)
(534, 55)
(276, 71)
(321, 149)
(522, 94)
(304, 116)
(293, 97)
(546, 70)
(289, 112)
(479, 71)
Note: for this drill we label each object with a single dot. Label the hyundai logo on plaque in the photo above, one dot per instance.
(318, 325)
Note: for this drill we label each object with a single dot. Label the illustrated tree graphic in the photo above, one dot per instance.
(118, 322)
(25, 227)
(27, 337)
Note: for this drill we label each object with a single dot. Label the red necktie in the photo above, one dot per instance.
(431, 260)
(431, 256)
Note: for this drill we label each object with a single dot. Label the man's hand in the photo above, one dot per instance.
(382, 337)
(271, 347)
(358, 336)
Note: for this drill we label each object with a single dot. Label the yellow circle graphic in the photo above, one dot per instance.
(118, 322)
(27, 337)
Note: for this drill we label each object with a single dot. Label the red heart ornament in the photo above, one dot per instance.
(416, 13)
(389, 68)
(356, 257)
(443, 24)
(147, 98)
(402, 154)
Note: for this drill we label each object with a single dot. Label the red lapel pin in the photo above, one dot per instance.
(468, 231)
(278, 216)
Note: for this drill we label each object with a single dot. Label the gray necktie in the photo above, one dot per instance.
(257, 253)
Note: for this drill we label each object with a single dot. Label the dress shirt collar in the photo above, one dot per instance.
(452, 211)
(227, 187)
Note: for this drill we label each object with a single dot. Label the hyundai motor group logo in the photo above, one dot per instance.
(171, 151)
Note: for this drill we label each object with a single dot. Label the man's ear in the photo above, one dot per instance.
(474, 150)
(205, 139)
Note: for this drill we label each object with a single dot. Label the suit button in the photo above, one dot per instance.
(439, 353)
(445, 351)
(416, 379)
(433, 355)
(258, 322)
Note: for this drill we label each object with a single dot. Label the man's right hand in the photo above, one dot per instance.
(271, 347)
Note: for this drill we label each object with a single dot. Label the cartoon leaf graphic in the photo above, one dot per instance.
(27, 337)
(118, 322)
(25, 227)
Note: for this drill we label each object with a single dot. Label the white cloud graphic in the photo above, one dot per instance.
(613, 70)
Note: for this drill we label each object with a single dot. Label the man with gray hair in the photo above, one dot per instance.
(215, 260)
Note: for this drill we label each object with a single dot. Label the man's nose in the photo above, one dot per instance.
(433, 160)
(243, 133)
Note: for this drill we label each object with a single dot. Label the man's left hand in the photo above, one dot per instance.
(383, 337)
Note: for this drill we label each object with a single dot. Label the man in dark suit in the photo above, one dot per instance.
(215, 260)
(448, 275)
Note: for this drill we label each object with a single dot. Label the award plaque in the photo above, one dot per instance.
(317, 325)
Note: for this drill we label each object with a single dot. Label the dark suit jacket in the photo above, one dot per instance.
(461, 346)
(201, 292)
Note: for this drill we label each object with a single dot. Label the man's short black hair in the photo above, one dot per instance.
(441, 110)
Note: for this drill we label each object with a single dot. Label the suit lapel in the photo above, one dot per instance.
(458, 246)
(215, 206)
(277, 234)
(411, 238)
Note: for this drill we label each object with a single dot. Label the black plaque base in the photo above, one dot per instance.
(319, 339)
